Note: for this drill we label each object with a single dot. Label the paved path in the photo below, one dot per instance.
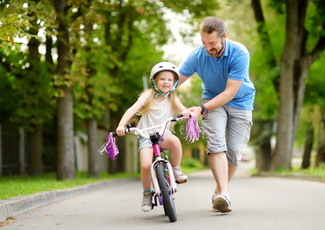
(258, 203)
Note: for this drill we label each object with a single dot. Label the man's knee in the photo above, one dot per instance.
(234, 157)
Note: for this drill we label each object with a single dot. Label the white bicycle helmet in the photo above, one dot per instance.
(163, 66)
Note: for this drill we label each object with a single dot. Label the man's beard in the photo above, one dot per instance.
(217, 54)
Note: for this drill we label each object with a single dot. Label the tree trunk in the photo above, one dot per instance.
(66, 158)
(263, 158)
(320, 154)
(35, 140)
(283, 149)
(93, 167)
(35, 147)
(261, 134)
(308, 147)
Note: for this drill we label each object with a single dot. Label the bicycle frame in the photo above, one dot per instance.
(155, 137)
(158, 159)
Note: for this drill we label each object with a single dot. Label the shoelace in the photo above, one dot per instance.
(147, 201)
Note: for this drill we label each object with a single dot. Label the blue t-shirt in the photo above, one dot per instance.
(214, 73)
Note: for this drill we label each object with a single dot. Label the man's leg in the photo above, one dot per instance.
(219, 167)
(220, 170)
(231, 172)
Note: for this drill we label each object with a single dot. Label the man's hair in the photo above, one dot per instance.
(212, 24)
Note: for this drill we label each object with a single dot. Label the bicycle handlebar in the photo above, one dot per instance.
(162, 126)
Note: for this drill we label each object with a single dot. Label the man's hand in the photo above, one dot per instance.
(196, 110)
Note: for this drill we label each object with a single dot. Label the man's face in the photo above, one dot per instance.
(213, 44)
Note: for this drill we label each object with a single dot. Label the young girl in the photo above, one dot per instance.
(156, 105)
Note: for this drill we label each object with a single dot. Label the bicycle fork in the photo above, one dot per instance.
(168, 168)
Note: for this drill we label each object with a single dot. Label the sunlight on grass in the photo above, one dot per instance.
(312, 171)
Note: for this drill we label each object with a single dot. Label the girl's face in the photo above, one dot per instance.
(165, 81)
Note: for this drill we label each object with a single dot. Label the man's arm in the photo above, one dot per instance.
(182, 79)
(221, 99)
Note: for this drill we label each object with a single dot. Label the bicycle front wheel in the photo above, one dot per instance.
(166, 192)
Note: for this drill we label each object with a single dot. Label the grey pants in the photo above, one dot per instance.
(227, 129)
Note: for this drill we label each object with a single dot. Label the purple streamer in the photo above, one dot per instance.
(192, 129)
(110, 147)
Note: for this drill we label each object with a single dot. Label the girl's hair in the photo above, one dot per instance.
(213, 24)
(151, 100)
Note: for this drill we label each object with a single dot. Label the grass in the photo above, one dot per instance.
(13, 186)
(311, 171)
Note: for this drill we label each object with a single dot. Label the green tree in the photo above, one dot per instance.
(315, 107)
(13, 20)
(30, 82)
(66, 161)
(305, 39)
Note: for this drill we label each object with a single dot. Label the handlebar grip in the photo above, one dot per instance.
(179, 116)
(114, 134)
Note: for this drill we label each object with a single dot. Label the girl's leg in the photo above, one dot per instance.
(146, 155)
(172, 142)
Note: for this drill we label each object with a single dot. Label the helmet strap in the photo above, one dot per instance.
(166, 95)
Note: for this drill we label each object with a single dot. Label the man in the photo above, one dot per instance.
(227, 102)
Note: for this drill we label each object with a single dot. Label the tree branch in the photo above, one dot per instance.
(314, 55)
(265, 38)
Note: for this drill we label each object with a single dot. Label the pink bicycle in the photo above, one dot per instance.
(163, 180)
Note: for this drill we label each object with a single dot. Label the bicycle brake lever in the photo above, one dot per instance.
(176, 117)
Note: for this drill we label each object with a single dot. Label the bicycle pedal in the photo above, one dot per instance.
(181, 182)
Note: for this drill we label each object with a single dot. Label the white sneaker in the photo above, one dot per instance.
(179, 176)
(146, 202)
(221, 203)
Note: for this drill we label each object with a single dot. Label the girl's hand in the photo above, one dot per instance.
(120, 130)
(186, 113)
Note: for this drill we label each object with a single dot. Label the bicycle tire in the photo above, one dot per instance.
(172, 205)
(168, 202)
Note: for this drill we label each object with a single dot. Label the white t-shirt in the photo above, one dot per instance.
(157, 114)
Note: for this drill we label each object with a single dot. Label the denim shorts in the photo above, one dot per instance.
(145, 143)
(227, 129)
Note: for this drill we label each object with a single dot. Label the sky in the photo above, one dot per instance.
(178, 50)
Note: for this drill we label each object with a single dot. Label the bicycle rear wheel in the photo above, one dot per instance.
(169, 206)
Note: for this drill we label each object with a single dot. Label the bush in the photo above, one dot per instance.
(191, 163)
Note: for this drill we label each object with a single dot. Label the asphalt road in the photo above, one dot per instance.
(258, 203)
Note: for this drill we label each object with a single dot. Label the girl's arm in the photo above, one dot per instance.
(120, 130)
(182, 109)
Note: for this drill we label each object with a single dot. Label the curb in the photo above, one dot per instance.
(293, 176)
(22, 204)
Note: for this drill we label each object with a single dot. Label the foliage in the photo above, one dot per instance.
(191, 163)
(13, 20)
(190, 94)
(314, 91)
(29, 106)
